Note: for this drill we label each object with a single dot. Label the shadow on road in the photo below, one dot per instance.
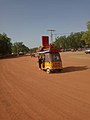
(71, 69)
(74, 68)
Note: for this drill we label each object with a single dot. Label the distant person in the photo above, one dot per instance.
(40, 62)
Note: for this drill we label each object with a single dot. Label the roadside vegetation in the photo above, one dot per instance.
(73, 41)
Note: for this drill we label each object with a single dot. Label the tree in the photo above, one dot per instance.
(86, 35)
(33, 50)
(18, 47)
(73, 41)
(61, 42)
(88, 26)
(5, 44)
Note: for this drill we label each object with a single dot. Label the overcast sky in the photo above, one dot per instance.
(28, 20)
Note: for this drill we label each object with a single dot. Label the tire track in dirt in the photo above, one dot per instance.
(27, 93)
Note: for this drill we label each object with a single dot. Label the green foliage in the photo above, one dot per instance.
(86, 35)
(5, 44)
(88, 26)
(18, 47)
(33, 50)
(72, 41)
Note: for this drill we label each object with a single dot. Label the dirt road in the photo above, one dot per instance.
(27, 93)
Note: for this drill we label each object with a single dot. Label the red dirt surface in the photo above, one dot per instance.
(27, 93)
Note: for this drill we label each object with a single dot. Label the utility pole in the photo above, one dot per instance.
(55, 36)
(51, 34)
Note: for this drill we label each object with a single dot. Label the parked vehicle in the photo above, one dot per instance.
(87, 50)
